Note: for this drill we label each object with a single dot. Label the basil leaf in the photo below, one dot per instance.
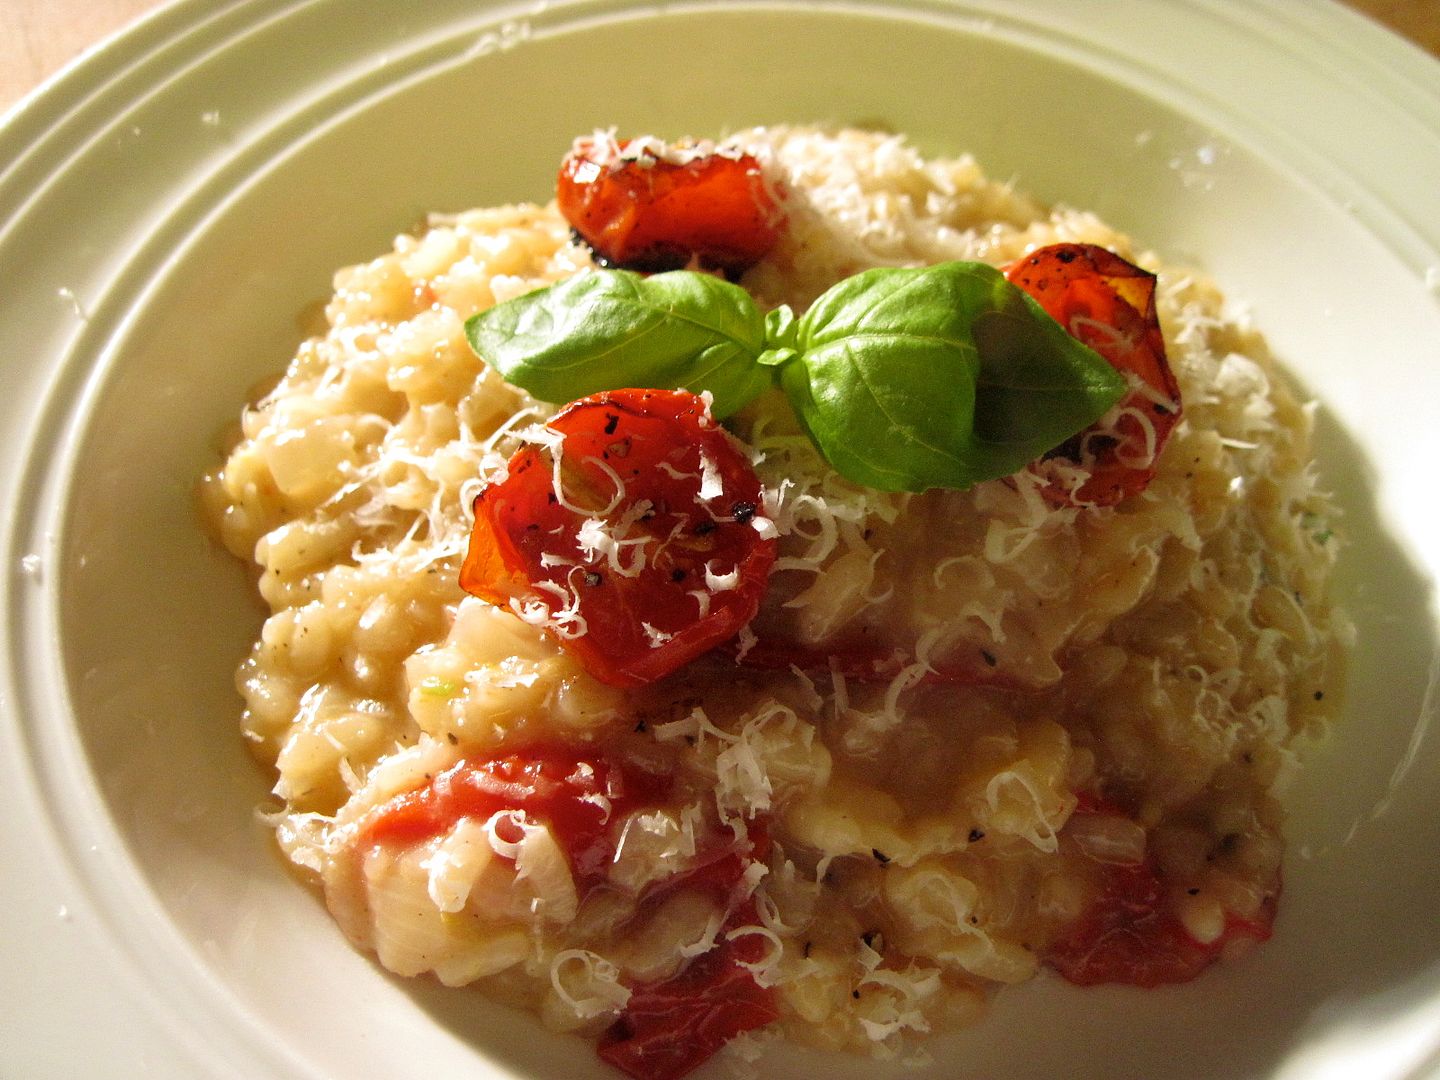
(609, 329)
(939, 376)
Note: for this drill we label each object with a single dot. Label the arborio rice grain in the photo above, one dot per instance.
(928, 841)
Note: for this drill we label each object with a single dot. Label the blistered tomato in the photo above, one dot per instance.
(633, 534)
(1131, 933)
(670, 1027)
(1109, 304)
(641, 205)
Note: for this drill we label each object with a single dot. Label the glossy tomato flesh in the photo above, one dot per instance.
(671, 1026)
(650, 214)
(572, 792)
(1132, 935)
(671, 500)
(1109, 305)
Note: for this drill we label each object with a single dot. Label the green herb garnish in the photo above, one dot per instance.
(436, 687)
(905, 379)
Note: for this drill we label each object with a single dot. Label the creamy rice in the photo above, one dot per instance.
(929, 840)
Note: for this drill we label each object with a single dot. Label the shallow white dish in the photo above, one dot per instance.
(172, 203)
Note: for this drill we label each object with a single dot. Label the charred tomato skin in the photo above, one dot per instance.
(650, 214)
(670, 1027)
(677, 499)
(1108, 304)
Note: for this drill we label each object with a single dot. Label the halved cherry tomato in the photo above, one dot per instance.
(632, 537)
(1109, 304)
(575, 793)
(670, 1027)
(1132, 935)
(643, 210)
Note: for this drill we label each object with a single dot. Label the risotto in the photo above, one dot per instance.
(910, 741)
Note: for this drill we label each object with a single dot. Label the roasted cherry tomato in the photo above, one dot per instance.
(1108, 304)
(1132, 935)
(670, 1027)
(667, 1027)
(641, 205)
(574, 793)
(633, 535)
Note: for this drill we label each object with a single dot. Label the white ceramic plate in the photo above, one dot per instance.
(170, 204)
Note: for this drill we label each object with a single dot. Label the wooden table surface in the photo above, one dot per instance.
(38, 37)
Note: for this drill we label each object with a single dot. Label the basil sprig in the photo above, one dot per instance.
(614, 328)
(905, 379)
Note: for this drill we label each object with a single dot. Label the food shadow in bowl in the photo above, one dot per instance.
(152, 619)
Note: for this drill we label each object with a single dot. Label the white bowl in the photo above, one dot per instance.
(172, 203)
